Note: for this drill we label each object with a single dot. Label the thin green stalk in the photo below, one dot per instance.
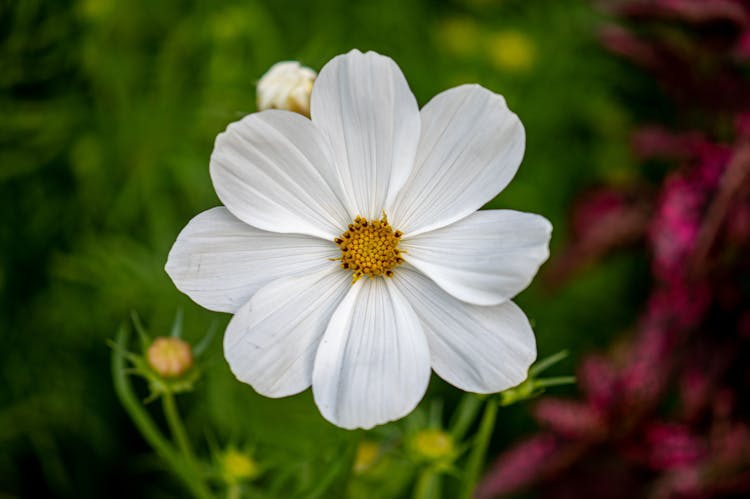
(234, 492)
(465, 414)
(546, 363)
(146, 425)
(335, 470)
(479, 450)
(176, 427)
(427, 486)
(557, 381)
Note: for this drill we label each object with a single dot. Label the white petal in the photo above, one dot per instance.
(477, 349)
(274, 170)
(373, 365)
(271, 342)
(364, 105)
(486, 258)
(470, 148)
(220, 261)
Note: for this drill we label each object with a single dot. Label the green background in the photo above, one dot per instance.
(108, 112)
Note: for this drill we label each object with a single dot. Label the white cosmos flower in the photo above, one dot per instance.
(435, 284)
(286, 85)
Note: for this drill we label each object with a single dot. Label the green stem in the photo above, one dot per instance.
(335, 470)
(427, 486)
(146, 425)
(466, 412)
(234, 492)
(176, 427)
(560, 380)
(546, 363)
(481, 443)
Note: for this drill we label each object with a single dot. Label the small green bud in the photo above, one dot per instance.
(237, 466)
(433, 445)
(366, 457)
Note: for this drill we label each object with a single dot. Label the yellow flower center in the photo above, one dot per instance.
(369, 248)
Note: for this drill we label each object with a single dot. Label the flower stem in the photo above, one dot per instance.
(427, 486)
(557, 381)
(481, 443)
(176, 427)
(465, 413)
(335, 470)
(546, 363)
(146, 425)
(234, 492)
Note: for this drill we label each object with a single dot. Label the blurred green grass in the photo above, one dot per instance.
(109, 110)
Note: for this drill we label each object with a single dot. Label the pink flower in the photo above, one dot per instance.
(674, 230)
(658, 142)
(673, 446)
(604, 219)
(689, 11)
(569, 418)
(519, 466)
(598, 379)
(681, 207)
(646, 374)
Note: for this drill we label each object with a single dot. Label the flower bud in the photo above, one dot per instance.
(237, 466)
(511, 51)
(433, 444)
(169, 357)
(367, 455)
(287, 85)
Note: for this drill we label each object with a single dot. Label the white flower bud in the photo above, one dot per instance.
(287, 85)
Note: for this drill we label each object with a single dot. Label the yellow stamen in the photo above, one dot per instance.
(369, 248)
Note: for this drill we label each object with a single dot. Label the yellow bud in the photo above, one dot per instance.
(287, 85)
(511, 51)
(367, 455)
(433, 444)
(460, 36)
(95, 10)
(169, 357)
(237, 466)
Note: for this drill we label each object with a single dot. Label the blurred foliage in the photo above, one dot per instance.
(109, 110)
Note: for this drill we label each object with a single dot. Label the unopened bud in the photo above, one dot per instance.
(367, 455)
(511, 51)
(237, 466)
(169, 357)
(433, 444)
(287, 85)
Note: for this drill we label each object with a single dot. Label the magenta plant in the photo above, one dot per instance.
(664, 414)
